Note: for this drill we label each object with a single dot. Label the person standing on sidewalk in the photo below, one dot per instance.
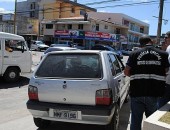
(166, 97)
(29, 43)
(147, 69)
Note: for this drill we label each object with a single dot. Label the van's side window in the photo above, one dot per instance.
(14, 45)
(8, 46)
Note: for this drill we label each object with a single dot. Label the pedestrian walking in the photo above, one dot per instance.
(29, 43)
(147, 69)
(166, 97)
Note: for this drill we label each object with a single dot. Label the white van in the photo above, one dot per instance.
(15, 57)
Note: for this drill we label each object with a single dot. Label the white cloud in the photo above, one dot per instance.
(2, 10)
(146, 21)
(103, 11)
(11, 0)
(7, 0)
(138, 0)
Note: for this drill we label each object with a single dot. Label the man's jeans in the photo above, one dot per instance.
(139, 105)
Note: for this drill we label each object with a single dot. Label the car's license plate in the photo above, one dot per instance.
(65, 114)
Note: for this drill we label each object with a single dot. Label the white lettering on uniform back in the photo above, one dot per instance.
(148, 63)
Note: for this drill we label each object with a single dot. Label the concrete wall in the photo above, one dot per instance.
(59, 9)
(153, 123)
(27, 25)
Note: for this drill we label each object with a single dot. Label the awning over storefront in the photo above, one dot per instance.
(73, 22)
(33, 34)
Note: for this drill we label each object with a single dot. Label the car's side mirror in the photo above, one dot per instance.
(123, 67)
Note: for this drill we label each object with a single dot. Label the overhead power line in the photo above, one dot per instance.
(131, 4)
(101, 2)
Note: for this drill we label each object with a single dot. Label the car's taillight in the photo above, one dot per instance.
(32, 92)
(103, 97)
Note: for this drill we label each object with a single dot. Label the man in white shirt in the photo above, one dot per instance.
(166, 97)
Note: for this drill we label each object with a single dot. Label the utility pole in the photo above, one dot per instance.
(15, 16)
(160, 21)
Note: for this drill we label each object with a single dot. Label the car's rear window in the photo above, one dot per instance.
(70, 66)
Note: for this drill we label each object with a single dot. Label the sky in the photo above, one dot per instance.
(145, 12)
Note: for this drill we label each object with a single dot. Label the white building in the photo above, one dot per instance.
(136, 28)
(98, 28)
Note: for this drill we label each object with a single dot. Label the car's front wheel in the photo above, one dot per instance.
(114, 124)
(12, 74)
(38, 49)
(41, 123)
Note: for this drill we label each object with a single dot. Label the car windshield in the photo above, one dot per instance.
(70, 66)
(39, 42)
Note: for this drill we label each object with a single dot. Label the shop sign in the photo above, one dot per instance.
(85, 35)
(61, 32)
(69, 34)
(100, 36)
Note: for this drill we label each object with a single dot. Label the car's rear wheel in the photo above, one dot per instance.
(41, 123)
(12, 74)
(114, 124)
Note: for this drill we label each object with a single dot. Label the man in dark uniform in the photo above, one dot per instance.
(147, 69)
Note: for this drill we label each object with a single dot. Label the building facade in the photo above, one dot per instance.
(118, 30)
(51, 10)
(7, 23)
(136, 28)
(28, 27)
(29, 8)
(54, 9)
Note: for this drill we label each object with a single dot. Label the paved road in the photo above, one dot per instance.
(15, 116)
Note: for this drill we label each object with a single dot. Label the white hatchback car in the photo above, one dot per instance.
(78, 86)
(38, 46)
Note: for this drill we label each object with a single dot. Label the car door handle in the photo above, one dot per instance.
(119, 80)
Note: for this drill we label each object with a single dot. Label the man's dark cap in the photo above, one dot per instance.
(167, 34)
(145, 39)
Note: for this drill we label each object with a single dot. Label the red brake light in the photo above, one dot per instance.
(103, 97)
(33, 93)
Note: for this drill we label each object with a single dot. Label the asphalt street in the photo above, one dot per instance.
(15, 116)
